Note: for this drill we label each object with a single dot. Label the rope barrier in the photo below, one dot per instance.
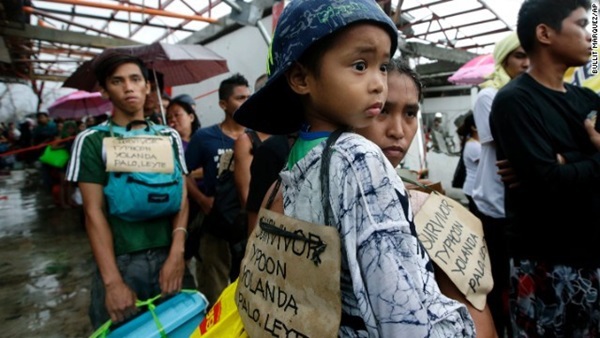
(41, 145)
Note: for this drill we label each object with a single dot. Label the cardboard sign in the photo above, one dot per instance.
(290, 287)
(152, 154)
(453, 237)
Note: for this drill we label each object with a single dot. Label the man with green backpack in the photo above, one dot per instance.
(131, 174)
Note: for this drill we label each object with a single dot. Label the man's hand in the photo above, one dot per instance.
(120, 301)
(507, 174)
(593, 134)
(206, 204)
(171, 274)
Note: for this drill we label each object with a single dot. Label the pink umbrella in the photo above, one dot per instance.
(474, 71)
(79, 104)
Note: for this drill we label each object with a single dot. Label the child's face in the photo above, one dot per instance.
(351, 87)
(394, 130)
(573, 43)
(127, 89)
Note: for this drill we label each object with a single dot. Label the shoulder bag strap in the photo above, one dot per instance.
(254, 139)
(325, 161)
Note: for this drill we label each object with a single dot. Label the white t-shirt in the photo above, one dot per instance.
(488, 191)
(471, 160)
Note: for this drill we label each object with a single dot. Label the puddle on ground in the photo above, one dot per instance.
(45, 263)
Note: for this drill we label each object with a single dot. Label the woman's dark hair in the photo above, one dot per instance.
(464, 130)
(402, 67)
(189, 110)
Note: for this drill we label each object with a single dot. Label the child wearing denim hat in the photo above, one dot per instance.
(328, 70)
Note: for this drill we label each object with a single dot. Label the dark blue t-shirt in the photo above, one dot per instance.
(204, 151)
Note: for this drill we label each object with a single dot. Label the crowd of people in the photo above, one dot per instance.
(33, 140)
(529, 149)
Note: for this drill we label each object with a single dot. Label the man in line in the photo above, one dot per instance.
(135, 259)
(488, 191)
(553, 226)
(204, 151)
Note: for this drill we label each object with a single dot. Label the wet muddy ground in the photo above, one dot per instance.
(45, 263)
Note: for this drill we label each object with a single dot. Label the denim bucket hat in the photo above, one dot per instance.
(275, 108)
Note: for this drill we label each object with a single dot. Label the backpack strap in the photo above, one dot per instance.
(325, 161)
(109, 127)
(324, 174)
(256, 142)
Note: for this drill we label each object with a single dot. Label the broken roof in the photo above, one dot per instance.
(45, 40)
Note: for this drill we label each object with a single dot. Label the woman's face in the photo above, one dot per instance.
(71, 130)
(180, 120)
(516, 62)
(394, 129)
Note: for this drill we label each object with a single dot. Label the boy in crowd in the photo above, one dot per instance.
(135, 259)
(204, 151)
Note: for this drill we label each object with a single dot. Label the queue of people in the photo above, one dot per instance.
(527, 146)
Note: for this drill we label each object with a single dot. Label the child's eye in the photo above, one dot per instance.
(360, 66)
(384, 68)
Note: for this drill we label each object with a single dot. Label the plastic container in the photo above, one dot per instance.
(180, 315)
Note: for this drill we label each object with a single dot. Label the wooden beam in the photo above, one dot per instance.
(434, 52)
(437, 68)
(4, 53)
(54, 35)
(55, 78)
(134, 9)
(99, 17)
(13, 79)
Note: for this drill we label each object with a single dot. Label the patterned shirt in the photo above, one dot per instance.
(387, 278)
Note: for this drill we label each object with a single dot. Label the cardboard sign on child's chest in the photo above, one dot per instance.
(152, 154)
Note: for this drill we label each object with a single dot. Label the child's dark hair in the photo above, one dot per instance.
(227, 85)
(402, 67)
(105, 67)
(549, 12)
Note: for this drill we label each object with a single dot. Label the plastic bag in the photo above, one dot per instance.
(223, 319)
(55, 157)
